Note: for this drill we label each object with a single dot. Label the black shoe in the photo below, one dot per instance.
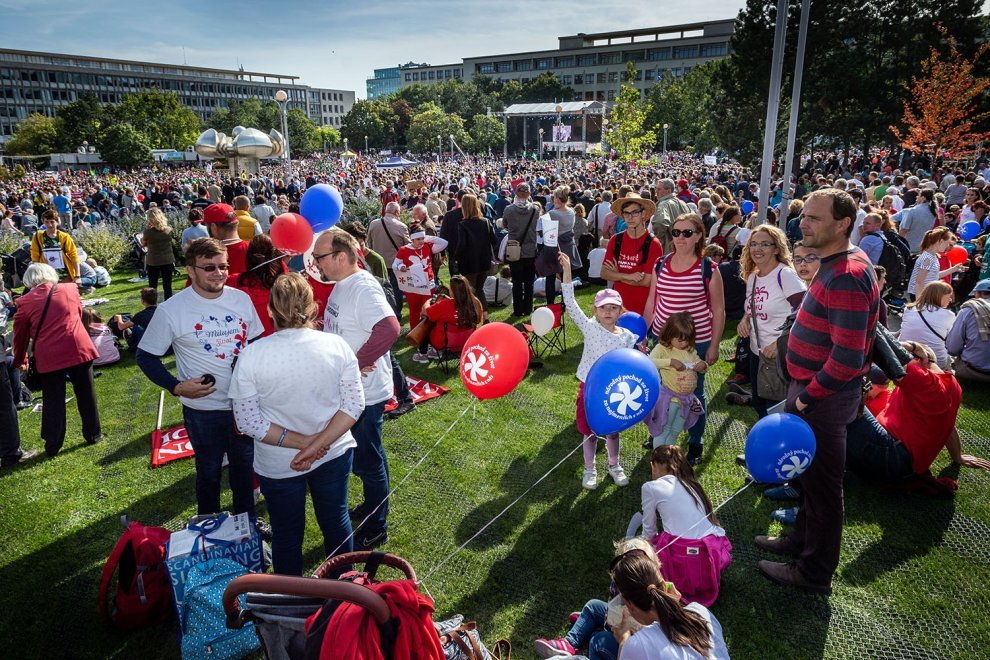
(264, 529)
(360, 512)
(26, 455)
(741, 459)
(369, 540)
(694, 454)
(648, 443)
(94, 440)
(402, 409)
(535, 365)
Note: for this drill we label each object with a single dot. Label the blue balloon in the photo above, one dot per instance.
(779, 448)
(621, 389)
(747, 207)
(321, 205)
(634, 323)
(969, 230)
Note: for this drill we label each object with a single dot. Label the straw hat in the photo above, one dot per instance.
(649, 207)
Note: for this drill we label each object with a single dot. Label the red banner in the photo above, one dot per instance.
(170, 445)
(421, 391)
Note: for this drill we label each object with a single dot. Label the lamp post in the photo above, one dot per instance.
(540, 152)
(559, 109)
(439, 147)
(365, 146)
(665, 127)
(281, 97)
(451, 146)
(604, 133)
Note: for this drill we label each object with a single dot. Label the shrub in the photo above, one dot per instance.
(10, 241)
(362, 210)
(107, 243)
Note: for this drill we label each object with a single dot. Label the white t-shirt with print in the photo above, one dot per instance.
(649, 643)
(206, 334)
(300, 377)
(355, 305)
(772, 308)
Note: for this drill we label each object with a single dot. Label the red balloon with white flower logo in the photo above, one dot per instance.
(494, 360)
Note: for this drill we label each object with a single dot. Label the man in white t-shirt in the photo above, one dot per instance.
(358, 311)
(207, 325)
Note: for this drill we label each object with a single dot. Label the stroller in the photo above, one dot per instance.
(15, 265)
(137, 254)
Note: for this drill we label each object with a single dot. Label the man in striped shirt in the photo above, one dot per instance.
(827, 358)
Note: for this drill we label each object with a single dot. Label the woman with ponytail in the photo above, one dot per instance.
(670, 629)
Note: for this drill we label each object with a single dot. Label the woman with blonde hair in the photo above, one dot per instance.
(926, 268)
(773, 292)
(160, 260)
(302, 437)
(928, 320)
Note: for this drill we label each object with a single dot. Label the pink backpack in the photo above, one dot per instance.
(694, 565)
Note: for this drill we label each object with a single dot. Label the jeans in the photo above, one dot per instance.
(212, 434)
(874, 453)
(523, 274)
(14, 374)
(53, 405)
(286, 501)
(399, 383)
(165, 272)
(695, 432)
(399, 298)
(10, 434)
(85, 282)
(589, 630)
(371, 464)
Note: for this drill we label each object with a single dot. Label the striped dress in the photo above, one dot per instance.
(682, 292)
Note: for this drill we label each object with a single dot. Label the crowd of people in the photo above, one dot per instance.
(814, 282)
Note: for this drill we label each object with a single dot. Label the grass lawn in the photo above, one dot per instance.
(912, 582)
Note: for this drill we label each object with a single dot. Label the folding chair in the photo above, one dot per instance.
(448, 360)
(556, 339)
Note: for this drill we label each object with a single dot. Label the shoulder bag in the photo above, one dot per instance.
(770, 383)
(513, 248)
(31, 378)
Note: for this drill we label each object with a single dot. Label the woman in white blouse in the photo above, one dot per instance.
(297, 393)
(928, 320)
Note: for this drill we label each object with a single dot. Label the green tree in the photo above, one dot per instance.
(403, 112)
(36, 135)
(545, 88)
(487, 132)
(432, 121)
(124, 145)
(160, 116)
(417, 94)
(329, 137)
(372, 118)
(80, 121)
(680, 103)
(629, 132)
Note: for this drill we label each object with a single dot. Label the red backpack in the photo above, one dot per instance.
(144, 592)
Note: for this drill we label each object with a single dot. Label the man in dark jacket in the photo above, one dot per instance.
(448, 232)
(519, 219)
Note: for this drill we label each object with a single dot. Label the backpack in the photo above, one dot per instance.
(203, 620)
(893, 261)
(144, 592)
(644, 251)
(706, 272)
(900, 243)
(723, 241)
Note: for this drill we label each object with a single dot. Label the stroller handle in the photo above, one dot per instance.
(299, 586)
(362, 557)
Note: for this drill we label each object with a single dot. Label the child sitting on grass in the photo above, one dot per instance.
(679, 364)
(601, 335)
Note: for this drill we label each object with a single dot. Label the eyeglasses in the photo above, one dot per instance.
(686, 233)
(810, 259)
(632, 214)
(761, 244)
(317, 257)
(210, 268)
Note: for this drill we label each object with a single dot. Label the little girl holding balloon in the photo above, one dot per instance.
(601, 335)
(677, 359)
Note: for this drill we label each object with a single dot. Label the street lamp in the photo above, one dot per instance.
(665, 127)
(604, 134)
(556, 138)
(282, 98)
(439, 147)
(540, 152)
(365, 146)
(451, 146)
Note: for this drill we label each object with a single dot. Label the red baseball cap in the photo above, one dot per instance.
(219, 214)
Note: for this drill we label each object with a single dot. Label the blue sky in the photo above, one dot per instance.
(332, 44)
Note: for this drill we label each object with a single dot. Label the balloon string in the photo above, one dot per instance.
(707, 516)
(404, 479)
(265, 263)
(500, 513)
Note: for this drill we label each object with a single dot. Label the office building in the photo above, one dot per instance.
(384, 82)
(428, 74)
(44, 82)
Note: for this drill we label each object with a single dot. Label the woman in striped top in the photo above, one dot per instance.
(926, 268)
(686, 281)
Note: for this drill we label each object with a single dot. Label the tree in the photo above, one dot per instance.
(487, 132)
(629, 132)
(374, 119)
(403, 111)
(432, 121)
(36, 135)
(303, 135)
(942, 115)
(160, 117)
(80, 121)
(545, 88)
(124, 145)
(329, 136)
(680, 103)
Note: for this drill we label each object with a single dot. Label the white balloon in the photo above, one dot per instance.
(542, 320)
(310, 264)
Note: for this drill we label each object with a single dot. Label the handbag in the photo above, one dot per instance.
(770, 383)
(419, 334)
(513, 248)
(31, 378)
(461, 641)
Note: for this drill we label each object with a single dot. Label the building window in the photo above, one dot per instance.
(658, 54)
(609, 58)
(524, 65)
(578, 78)
(544, 63)
(457, 73)
(408, 77)
(566, 80)
(565, 62)
(685, 52)
(613, 76)
(587, 60)
(611, 95)
(714, 50)
(601, 78)
(488, 67)
(433, 75)
(601, 96)
(446, 74)
(504, 67)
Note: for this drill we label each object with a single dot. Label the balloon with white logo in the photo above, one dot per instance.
(309, 263)
(779, 448)
(542, 320)
(494, 360)
(620, 391)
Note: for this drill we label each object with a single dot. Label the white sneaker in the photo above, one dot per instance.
(618, 475)
(589, 479)
(420, 358)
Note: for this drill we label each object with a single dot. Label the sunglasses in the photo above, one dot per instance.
(210, 268)
(810, 259)
(686, 233)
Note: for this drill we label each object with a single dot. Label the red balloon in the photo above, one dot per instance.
(957, 255)
(883, 153)
(291, 233)
(494, 360)
(140, 198)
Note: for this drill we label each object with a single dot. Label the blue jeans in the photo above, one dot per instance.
(371, 464)
(873, 452)
(87, 281)
(399, 383)
(286, 501)
(212, 434)
(695, 432)
(589, 630)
